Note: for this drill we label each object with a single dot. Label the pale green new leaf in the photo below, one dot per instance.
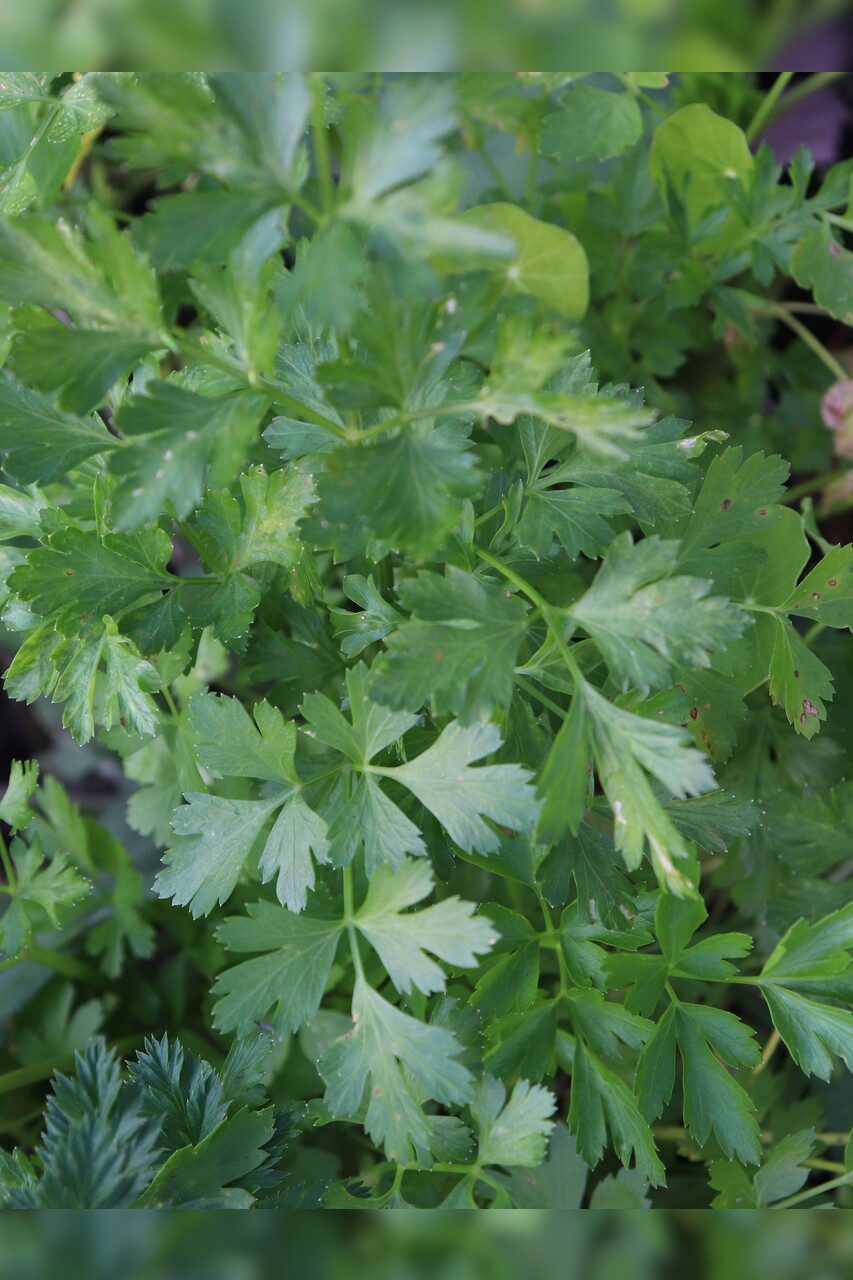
(215, 837)
(513, 1132)
(448, 929)
(645, 622)
(460, 796)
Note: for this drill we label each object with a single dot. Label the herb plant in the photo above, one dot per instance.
(478, 703)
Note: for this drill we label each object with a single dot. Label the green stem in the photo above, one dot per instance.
(640, 93)
(59, 962)
(805, 89)
(767, 107)
(532, 170)
(7, 864)
(811, 1192)
(524, 683)
(321, 145)
(496, 174)
(349, 916)
(846, 224)
(814, 344)
(550, 615)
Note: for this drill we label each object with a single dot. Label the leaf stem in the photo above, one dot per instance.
(640, 93)
(814, 344)
(7, 865)
(550, 614)
(349, 917)
(496, 174)
(811, 1192)
(805, 89)
(773, 1042)
(58, 961)
(765, 111)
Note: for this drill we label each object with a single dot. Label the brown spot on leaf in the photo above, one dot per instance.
(694, 712)
(796, 675)
(725, 504)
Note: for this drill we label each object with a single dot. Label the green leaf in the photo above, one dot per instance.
(413, 117)
(627, 747)
(369, 819)
(564, 779)
(355, 631)
(41, 442)
(700, 153)
(513, 1132)
(819, 263)
(557, 1182)
(399, 493)
(214, 838)
(799, 681)
(645, 622)
(826, 594)
(460, 796)
(813, 960)
(592, 123)
(600, 1101)
(373, 727)
(82, 364)
(285, 982)
(713, 1100)
(447, 929)
(40, 893)
(524, 363)
(623, 1190)
(325, 282)
(736, 499)
(15, 808)
(206, 1173)
(73, 574)
(549, 262)
(382, 1061)
(174, 439)
(231, 743)
(458, 648)
(576, 517)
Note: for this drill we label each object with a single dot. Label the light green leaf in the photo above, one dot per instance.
(15, 808)
(229, 743)
(215, 837)
(513, 1132)
(645, 622)
(549, 263)
(297, 834)
(444, 781)
(447, 930)
(701, 151)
